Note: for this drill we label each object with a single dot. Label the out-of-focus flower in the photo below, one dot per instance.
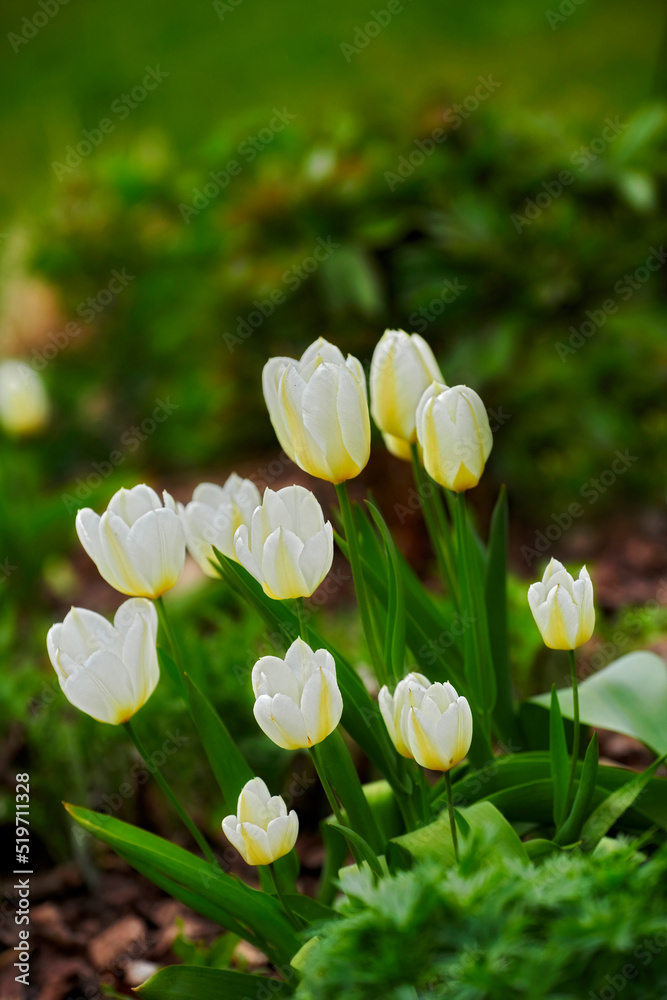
(298, 701)
(138, 545)
(454, 433)
(563, 607)
(319, 411)
(288, 547)
(213, 515)
(402, 369)
(108, 671)
(429, 722)
(262, 830)
(24, 404)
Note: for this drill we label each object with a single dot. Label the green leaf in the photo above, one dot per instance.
(434, 842)
(613, 807)
(341, 772)
(394, 651)
(571, 829)
(186, 982)
(310, 909)
(361, 847)
(248, 912)
(560, 764)
(170, 668)
(629, 696)
(495, 596)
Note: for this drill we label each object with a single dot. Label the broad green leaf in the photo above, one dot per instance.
(629, 696)
(341, 772)
(495, 595)
(560, 764)
(435, 840)
(613, 807)
(583, 799)
(360, 847)
(250, 913)
(310, 909)
(194, 982)
(170, 668)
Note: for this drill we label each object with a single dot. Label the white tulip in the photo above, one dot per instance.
(454, 433)
(24, 405)
(402, 369)
(108, 671)
(319, 411)
(288, 547)
(298, 700)
(137, 545)
(563, 607)
(428, 722)
(213, 515)
(262, 830)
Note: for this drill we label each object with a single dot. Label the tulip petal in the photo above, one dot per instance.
(132, 504)
(272, 676)
(282, 576)
(280, 718)
(321, 706)
(157, 544)
(281, 834)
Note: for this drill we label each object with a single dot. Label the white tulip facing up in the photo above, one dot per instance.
(298, 700)
(454, 433)
(563, 607)
(108, 671)
(288, 547)
(262, 830)
(319, 411)
(402, 369)
(138, 545)
(213, 515)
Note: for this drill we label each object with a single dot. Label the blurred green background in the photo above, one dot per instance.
(476, 241)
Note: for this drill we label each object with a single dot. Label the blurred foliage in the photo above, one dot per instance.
(459, 250)
(576, 926)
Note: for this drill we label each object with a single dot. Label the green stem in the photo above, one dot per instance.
(326, 785)
(291, 915)
(301, 616)
(436, 524)
(162, 782)
(452, 817)
(359, 581)
(575, 739)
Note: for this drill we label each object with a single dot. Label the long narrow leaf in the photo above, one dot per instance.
(560, 764)
(571, 828)
(340, 770)
(395, 640)
(495, 595)
(608, 812)
(184, 982)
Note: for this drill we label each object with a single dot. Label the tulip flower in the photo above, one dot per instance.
(213, 515)
(298, 701)
(108, 671)
(137, 545)
(428, 722)
(454, 433)
(262, 830)
(402, 369)
(24, 405)
(319, 411)
(288, 547)
(563, 607)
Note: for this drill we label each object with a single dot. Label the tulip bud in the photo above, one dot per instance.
(213, 515)
(24, 405)
(288, 547)
(262, 831)
(402, 369)
(319, 411)
(428, 722)
(137, 545)
(108, 671)
(298, 701)
(563, 607)
(453, 430)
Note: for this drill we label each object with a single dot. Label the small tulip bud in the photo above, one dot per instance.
(262, 830)
(454, 433)
(213, 515)
(563, 607)
(288, 547)
(298, 701)
(137, 545)
(108, 671)
(24, 405)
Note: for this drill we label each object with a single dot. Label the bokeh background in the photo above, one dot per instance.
(492, 176)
